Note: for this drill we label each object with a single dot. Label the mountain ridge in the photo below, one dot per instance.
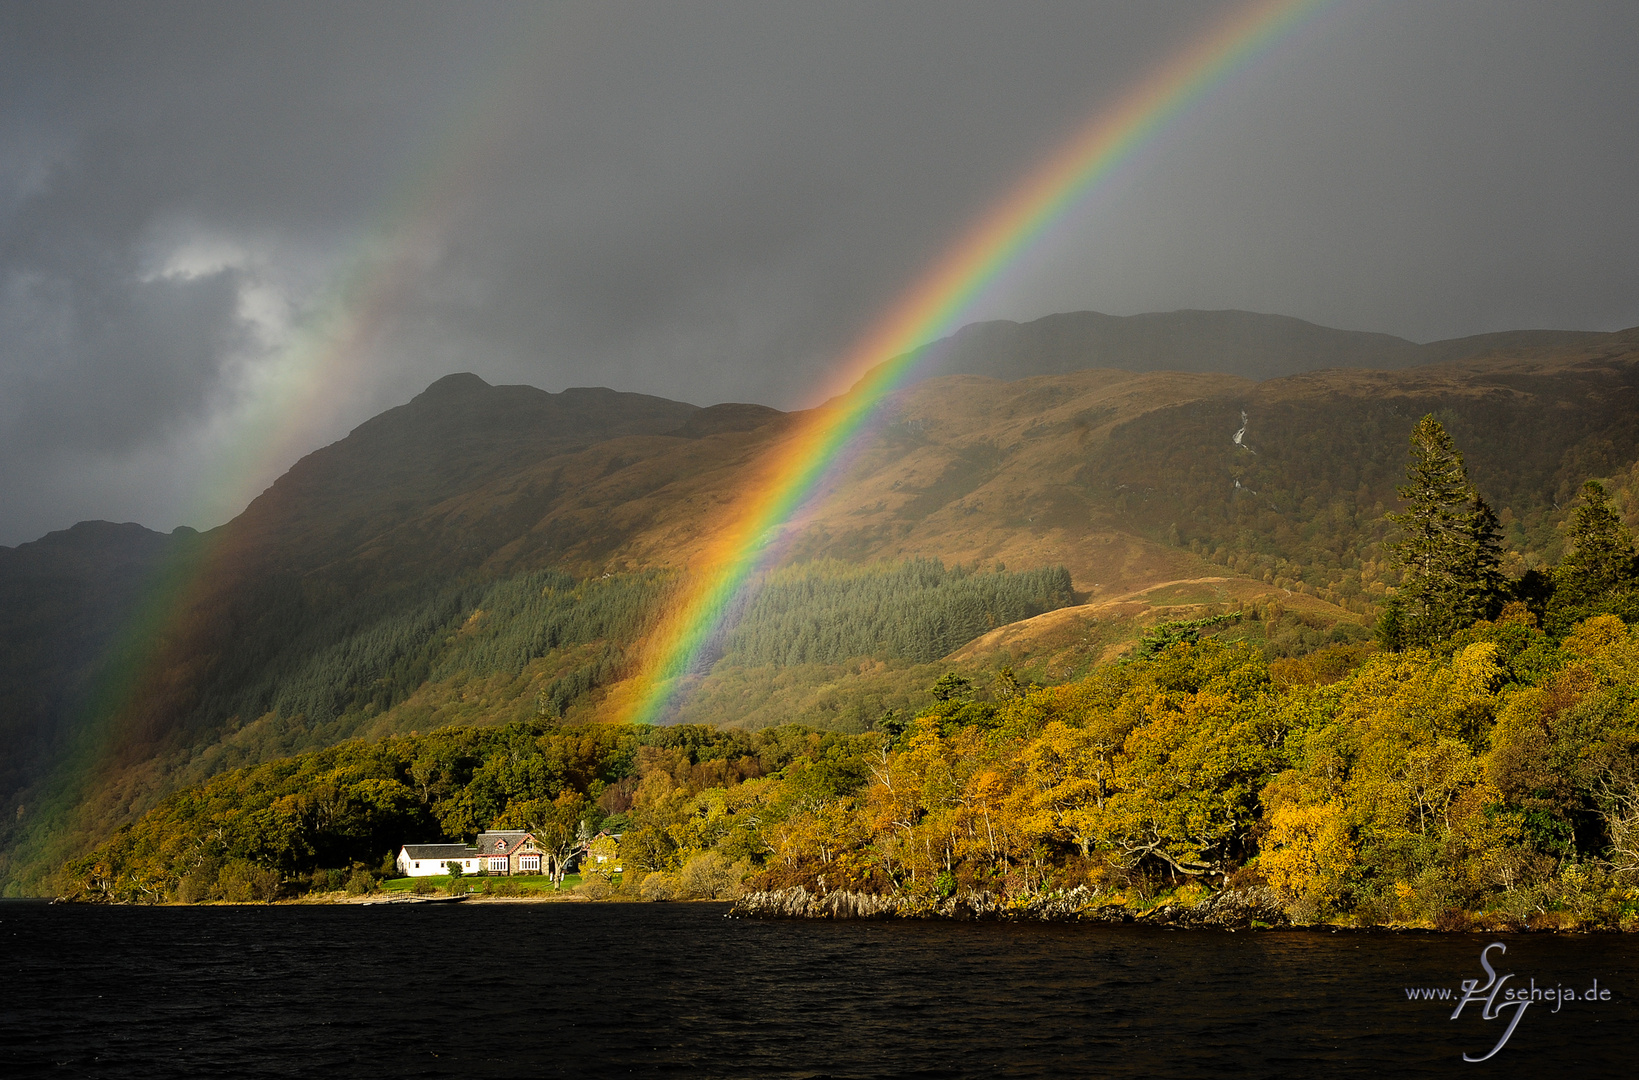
(1226, 341)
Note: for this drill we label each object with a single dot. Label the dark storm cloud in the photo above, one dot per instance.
(713, 201)
(158, 165)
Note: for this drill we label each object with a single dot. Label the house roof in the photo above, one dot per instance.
(439, 851)
(489, 842)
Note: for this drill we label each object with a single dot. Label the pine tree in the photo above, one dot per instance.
(1449, 549)
(1391, 628)
(1599, 575)
(1486, 585)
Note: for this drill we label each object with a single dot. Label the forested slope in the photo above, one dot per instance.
(1487, 782)
(68, 600)
(545, 645)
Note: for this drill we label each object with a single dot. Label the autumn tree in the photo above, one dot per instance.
(708, 876)
(647, 850)
(602, 857)
(1186, 784)
(1070, 771)
(558, 825)
(1307, 851)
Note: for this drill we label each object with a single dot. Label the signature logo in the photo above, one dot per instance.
(1499, 1001)
(1473, 992)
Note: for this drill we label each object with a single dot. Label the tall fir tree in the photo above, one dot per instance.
(1600, 574)
(1449, 550)
(1487, 587)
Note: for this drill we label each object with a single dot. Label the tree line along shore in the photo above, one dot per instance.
(1476, 766)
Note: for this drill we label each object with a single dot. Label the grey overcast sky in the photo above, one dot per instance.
(712, 201)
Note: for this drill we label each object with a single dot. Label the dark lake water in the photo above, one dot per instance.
(661, 990)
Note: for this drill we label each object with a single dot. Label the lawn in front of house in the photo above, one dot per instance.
(476, 883)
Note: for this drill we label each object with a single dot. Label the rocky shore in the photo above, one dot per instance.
(1232, 909)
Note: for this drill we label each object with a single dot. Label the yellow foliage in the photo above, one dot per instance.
(1308, 851)
(1520, 761)
(1069, 769)
(1474, 669)
(1605, 643)
(1402, 700)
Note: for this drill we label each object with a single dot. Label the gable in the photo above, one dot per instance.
(515, 841)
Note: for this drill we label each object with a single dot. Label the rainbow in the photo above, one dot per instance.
(887, 356)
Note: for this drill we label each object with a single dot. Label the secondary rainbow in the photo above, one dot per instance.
(319, 365)
(885, 358)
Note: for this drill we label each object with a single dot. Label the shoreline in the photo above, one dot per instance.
(1254, 910)
(747, 906)
(368, 899)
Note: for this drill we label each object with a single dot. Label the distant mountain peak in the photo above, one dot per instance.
(460, 384)
(729, 416)
(93, 532)
(589, 392)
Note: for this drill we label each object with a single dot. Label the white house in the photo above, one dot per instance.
(425, 860)
(510, 851)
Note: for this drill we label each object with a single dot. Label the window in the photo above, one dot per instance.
(498, 865)
(530, 864)
(418, 866)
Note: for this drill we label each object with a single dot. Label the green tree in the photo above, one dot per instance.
(360, 882)
(952, 687)
(1448, 551)
(893, 723)
(647, 850)
(559, 828)
(456, 886)
(1598, 576)
(602, 858)
(1487, 588)
(1163, 636)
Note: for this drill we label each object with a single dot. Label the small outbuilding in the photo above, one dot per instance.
(425, 860)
